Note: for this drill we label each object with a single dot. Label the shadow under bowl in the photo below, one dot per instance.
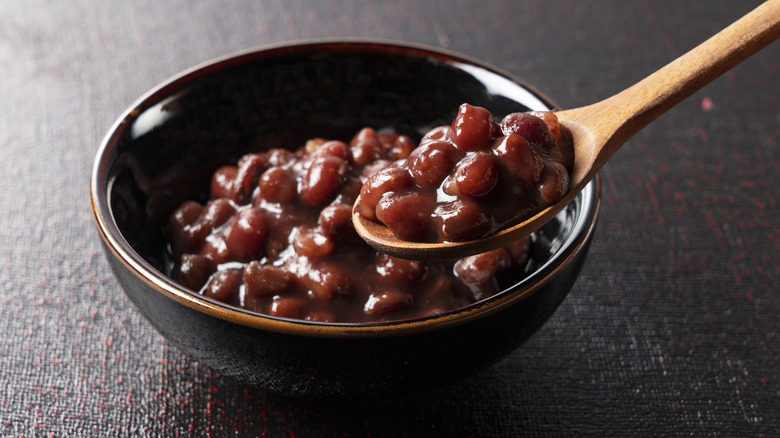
(164, 148)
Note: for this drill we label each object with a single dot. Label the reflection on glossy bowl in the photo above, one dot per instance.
(163, 149)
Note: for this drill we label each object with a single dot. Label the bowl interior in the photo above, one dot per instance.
(164, 149)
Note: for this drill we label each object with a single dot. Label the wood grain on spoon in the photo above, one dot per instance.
(599, 130)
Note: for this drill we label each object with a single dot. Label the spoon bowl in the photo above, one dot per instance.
(599, 130)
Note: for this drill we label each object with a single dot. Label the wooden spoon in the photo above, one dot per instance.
(599, 130)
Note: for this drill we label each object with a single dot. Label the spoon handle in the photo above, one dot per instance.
(613, 121)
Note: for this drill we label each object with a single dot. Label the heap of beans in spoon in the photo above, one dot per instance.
(276, 235)
(473, 178)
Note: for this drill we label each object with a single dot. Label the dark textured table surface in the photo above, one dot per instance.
(673, 328)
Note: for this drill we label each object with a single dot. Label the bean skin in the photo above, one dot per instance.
(481, 268)
(391, 179)
(366, 150)
(265, 280)
(223, 181)
(473, 128)
(249, 170)
(216, 213)
(399, 271)
(554, 183)
(327, 282)
(276, 185)
(287, 307)
(519, 157)
(195, 270)
(224, 285)
(431, 163)
(476, 174)
(322, 180)
(407, 216)
(387, 302)
(530, 127)
(181, 219)
(333, 148)
(247, 233)
(443, 133)
(336, 220)
(401, 148)
(279, 157)
(310, 242)
(462, 219)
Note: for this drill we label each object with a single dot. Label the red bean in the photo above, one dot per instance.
(373, 168)
(401, 148)
(387, 302)
(530, 127)
(336, 220)
(224, 285)
(363, 135)
(477, 174)
(310, 242)
(366, 151)
(462, 219)
(262, 280)
(180, 221)
(247, 233)
(349, 191)
(481, 268)
(443, 133)
(519, 157)
(392, 179)
(279, 157)
(408, 216)
(484, 290)
(216, 213)
(276, 185)
(185, 215)
(551, 120)
(216, 250)
(333, 148)
(327, 282)
(399, 271)
(444, 294)
(285, 307)
(322, 180)
(431, 163)
(223, 182)
(561, 151)
(194, 270)
(473, 128)
(554, 183)
(249, 168)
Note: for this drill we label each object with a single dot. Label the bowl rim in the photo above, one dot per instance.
(121, 250)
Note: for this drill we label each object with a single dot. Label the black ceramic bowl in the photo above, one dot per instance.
(164, 148)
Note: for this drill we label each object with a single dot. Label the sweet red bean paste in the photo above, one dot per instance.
(472, 178)
(276, 235)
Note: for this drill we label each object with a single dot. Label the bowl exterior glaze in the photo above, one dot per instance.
(164, 148)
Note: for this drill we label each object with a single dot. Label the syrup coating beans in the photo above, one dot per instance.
(276, 234)
(472, 178)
